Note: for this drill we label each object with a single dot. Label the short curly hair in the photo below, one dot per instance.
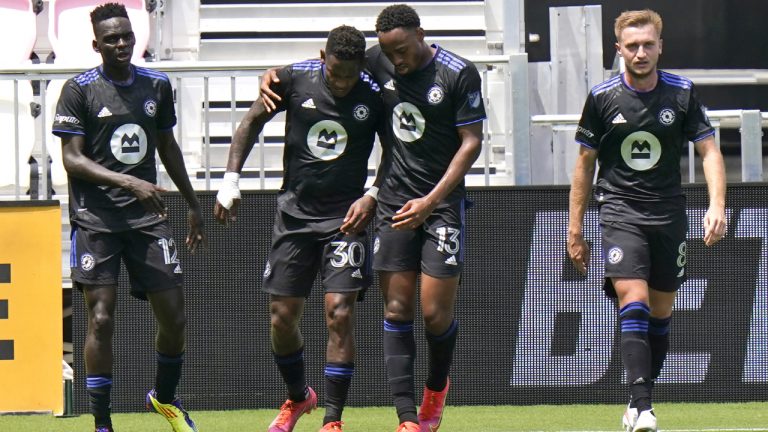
(395, 16)
(346, 43)
(107, 11)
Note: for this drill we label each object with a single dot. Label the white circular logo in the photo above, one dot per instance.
(129, 143)
(376, 244)
(87, 262)
(615, 255)
(267, 271)
(435, 95)
(361, 112)
(327, 139)
(641, 150)
(667, 116)
(407, 122)
(150, 107)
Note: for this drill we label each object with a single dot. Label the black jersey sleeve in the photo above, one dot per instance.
(70, 111)
(697, 124)
(469, 98)
(591, 126)
(166, 112)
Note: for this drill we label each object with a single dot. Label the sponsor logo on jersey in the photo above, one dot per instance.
(435, 95)
(105, 112)
(66, 119)
(615, 255)
(641, 150)
(588, 133)
(390, 85)
(309, 104)
(129, 143)
(474, 99)
(87, 262)
(666, 116)
(357, 274)
(327, 139)
(452, 260)
(408, 123)
(361, 112)
(619, 119)
(177, 270)
(150, 107)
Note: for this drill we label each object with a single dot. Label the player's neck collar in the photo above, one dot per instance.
(122, 83)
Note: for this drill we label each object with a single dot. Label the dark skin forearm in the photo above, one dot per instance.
(173, 160)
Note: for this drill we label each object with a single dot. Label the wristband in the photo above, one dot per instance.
(230, 190)
(373, 192)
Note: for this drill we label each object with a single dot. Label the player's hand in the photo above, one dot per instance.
(714, 225)
(578, 251)
(227, 199)
(413, 213)
(268, 97)
(358, 215)
(148, 195)
(196, 236)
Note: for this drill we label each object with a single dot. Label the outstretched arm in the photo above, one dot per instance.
(581, 188)
(714, 171)
(228, 198)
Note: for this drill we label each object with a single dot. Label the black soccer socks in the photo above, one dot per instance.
(658, 338)
(441, 356)
(167, 377)
(291, 368)
(636, 352)
(399, 355)
(338, 377)
(99, 387)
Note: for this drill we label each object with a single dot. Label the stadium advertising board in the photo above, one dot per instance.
(531, 330)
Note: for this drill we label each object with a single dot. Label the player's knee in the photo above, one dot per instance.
(397, 310)
(102, 325)
(175, 325)
(339, 318)
(283, 323)
(436, 320)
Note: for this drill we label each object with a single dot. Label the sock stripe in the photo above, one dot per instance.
(659, 326)
(97, 382)
(290, 358)
(339, 371)
(448, 333)
(635, 306)
(163, 358)
(398, 326)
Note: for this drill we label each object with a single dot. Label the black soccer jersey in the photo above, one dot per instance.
(639, 137)
(327, 141)
(120, 124)
(426, 107)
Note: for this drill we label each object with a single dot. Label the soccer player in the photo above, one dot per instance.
(333, 111)
(434, 116)
(111, 119)
(636, 125)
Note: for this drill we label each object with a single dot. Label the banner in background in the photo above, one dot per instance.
(531, 330)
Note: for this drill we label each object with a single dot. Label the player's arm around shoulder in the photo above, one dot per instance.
(714, 172)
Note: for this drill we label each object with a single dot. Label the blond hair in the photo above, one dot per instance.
(637, 18)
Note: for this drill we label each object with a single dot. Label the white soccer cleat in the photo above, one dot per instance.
(646, 422)
(629, 418)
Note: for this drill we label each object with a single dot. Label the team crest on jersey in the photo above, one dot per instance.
(474, 99)
(129, 143)
(87, 262)
(150, 107)
(641, 150)
(361, 112)
(435, 95)
(667, 116)
(407, 122)
(327, 139)
(615, 255)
